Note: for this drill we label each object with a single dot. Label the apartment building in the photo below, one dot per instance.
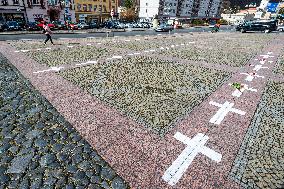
(180, 8)
(97, 10)
(36, 10)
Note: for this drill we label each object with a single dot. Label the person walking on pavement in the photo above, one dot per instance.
(47, 32)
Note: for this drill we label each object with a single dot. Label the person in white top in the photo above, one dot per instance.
(47, 32)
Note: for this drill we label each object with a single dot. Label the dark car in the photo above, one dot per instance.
(260, 25)
(32, 26)
(93, 25)
(110, 25)
(164, 28)
(12, 26)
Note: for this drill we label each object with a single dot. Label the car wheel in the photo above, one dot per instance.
(243, 30)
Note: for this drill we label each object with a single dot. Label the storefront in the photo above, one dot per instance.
(12, 15)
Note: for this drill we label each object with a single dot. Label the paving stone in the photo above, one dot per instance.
(118, 183)
(20, 163)
(107, 173)
(96, 179)
(47, 159)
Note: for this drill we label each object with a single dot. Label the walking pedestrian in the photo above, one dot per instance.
(47, 32)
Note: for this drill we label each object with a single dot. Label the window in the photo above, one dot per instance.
(175, 4)
(36, 2)
(79, 7)
(104, 8)
(16, 2)
(112, 1)
(146, 4)
(170, 4)
(90, 7)
(95, 8)
(84, 7)
(104, 1)
(4, 2)
(100, 7)
(113, 7)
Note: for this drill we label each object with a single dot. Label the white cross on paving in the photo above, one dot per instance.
(56, 69)
(194, 146)
(258, 67)
(238, 93)
(223, 111)
(251, 76)
(266, 56)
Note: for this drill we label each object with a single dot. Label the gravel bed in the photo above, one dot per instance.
(153, 92)
(77, 54)
(38, 148)
(279, 68)
(260, 162)
(218, 49)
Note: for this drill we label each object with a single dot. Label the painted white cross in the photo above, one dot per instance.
(86, 63)
(223, 111)
(194, 146)
(56, 69)
(258, 67)
(266, 56)
(251, 76)
(238, 93)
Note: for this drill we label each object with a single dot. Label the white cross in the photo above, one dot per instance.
(250, 76)
(238, 93)
(194, 146)
(223, 111)
(86, 63)
(56, 69)
(266, 56)
(258, 67)
(118, 57)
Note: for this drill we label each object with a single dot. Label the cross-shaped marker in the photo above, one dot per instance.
(238, 93)
(194, 146)
(56, 69)
(251, 76)
(223, 111)
(266, 56)
(258, 67)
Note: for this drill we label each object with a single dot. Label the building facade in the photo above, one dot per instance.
(13, 10)
(95, 10)
(196, 9)
(36, 10)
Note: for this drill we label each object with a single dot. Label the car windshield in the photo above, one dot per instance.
(12, 23)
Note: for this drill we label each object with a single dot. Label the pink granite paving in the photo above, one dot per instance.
(137, 154)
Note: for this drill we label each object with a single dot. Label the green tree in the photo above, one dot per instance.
(128, 4)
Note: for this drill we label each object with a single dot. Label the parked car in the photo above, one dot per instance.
(110, 25)
(73, 26)
(164, 28)
(280, 28)
(2, 25)
(50, 25)
(120, 25)
(12, 26)
(32, 26)
(59, 25)
(83, 25)
(263, 25)
(93, 25)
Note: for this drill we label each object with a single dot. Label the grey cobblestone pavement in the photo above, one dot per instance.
(38, 148)
(260, 162)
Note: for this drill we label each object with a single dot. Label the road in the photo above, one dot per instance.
(127, 33)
